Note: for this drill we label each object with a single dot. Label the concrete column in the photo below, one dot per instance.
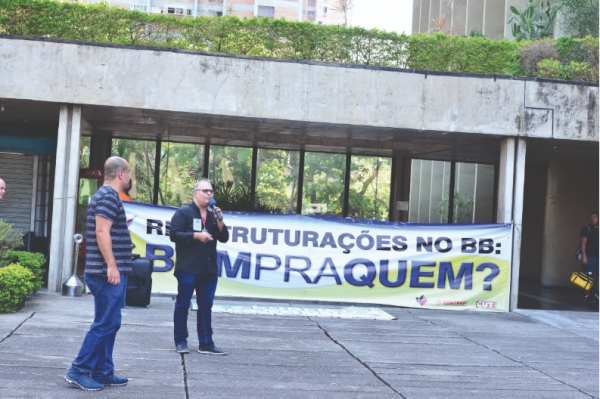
(511, 188)
(506, 180)
(65, 196)
(518, 196)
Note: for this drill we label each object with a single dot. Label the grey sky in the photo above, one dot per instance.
(389, 15)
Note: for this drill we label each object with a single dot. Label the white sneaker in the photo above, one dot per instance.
(193, 305)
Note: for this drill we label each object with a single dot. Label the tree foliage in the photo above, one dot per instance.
(534, 22)
(463, 208)
(343, 6)
(579, 17)
(141, 155)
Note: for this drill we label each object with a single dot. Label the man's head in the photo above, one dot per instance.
(2, 188)
(203, 192)
(116, 172)
(594, 219)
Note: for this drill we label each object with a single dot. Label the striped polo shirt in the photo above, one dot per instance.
(106, 203)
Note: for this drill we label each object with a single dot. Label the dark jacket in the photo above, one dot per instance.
(193, 256)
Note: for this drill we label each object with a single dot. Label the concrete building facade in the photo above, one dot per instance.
(529, 146)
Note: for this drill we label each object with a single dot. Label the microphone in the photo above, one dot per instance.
(211, 204)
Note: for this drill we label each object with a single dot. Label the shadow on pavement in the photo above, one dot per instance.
(533, 295)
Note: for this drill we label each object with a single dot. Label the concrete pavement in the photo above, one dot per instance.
(422, 354)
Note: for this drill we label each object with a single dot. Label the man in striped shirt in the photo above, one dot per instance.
(107, 264)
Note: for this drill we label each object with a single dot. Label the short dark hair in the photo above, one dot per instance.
(114, 165)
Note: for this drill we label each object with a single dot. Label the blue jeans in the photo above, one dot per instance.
(205, 286)
(95, 356)
(592, 266)
(592, 269)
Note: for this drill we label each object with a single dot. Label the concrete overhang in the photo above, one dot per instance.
(175, 95)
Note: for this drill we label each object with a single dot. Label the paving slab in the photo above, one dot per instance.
(421, 354)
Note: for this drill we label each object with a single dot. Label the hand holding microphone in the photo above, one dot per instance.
(212, 204)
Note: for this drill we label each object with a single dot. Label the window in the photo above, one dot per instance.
(230, 164)
(175, 11)
(140, 154)
(323, 188)
(473, 192)
(310, 15)
(311, 3)
(277, 179)
(264, 11)
(139, 7)
(212, 13)
(370, 182)
(84, 152)
(429, 188)
(180, 167)
(324, 11)
(144, 8)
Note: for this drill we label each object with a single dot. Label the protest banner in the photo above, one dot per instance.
(299, 257)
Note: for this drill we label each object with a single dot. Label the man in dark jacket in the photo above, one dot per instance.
(194, 230)
(589, 250)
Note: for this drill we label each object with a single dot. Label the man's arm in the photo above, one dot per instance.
(584, 260)
(103, 226)
(223, 234)
(178, 231)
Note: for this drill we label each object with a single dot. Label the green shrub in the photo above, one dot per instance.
(550, 69)
(30, 260)
(579, 50)
(239, 198)
(532, 53)
(580, 71)
(16, 284)
(9, 238)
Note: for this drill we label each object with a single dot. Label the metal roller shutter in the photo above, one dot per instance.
(17, 171)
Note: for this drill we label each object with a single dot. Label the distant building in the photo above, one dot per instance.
(315, 11)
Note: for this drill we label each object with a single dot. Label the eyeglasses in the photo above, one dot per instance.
(206, 191)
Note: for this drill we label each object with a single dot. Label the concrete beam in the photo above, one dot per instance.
(108, 75)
